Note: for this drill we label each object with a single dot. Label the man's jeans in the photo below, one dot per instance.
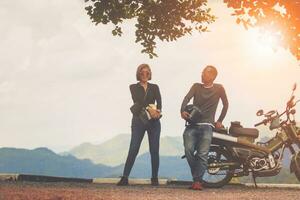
(138, 130)
(197, 140)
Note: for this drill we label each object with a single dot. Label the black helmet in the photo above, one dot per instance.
(195, 113)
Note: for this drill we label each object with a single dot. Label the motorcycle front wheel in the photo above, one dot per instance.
(216, 177)
(297, 174)
(295, 163)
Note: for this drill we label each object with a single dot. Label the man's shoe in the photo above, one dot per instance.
(196, 186)
(123, 181)
(154, 182)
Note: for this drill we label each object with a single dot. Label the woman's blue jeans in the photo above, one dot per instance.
(197, 140)
(138, 130)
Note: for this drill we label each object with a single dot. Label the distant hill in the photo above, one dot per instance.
(42, 161)
(170, 167)
(114, 151)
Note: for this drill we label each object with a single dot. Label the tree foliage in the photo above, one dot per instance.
(168, 20)
(281, 17)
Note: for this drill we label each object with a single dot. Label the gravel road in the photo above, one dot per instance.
(86, 191)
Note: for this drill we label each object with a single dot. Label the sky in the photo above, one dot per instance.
(65, 81)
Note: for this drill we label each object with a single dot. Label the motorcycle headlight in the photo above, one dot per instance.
(275, 123)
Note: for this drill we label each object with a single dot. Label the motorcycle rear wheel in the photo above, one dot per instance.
(212, 177)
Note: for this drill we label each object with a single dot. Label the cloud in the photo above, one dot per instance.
(64, 80)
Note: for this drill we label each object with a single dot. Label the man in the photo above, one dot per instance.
(197, 136)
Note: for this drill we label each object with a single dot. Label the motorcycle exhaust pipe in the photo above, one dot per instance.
(266, 173)
(223, 164)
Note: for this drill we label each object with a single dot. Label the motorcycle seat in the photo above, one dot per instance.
(220, 130)
(246, 132)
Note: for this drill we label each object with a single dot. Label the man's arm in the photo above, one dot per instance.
(187, 98)
(225, 104)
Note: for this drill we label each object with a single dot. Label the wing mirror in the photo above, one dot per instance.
(259, 112)
(294, 86)
(290, 103)
(293, 111)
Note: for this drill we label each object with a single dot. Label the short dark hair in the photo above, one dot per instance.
(213, 69)
(140, 68)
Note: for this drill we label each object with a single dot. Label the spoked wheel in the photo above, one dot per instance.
(297, 173)
(295, 165)
(215, 177)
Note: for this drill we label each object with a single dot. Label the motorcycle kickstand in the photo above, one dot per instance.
(254, 178)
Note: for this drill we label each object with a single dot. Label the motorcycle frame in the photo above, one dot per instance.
(284, 138)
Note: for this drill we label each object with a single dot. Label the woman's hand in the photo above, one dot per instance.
(155, 114)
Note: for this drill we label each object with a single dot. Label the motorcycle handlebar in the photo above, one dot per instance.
(290, 105)
(265, 121)
(260, 123)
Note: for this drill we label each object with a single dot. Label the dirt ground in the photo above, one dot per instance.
(86, 191)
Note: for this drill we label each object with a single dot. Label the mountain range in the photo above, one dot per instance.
(112, 154)
(42, 161)
(114, 151)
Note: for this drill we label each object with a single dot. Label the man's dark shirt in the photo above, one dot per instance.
(153, 94)
(207, 99)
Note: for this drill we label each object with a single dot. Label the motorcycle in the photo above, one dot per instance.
(234, 153)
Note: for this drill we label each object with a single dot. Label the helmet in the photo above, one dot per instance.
(195, 113)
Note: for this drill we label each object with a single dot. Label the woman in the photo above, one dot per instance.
(144, 95)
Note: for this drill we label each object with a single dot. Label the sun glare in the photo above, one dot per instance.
(263, 43)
